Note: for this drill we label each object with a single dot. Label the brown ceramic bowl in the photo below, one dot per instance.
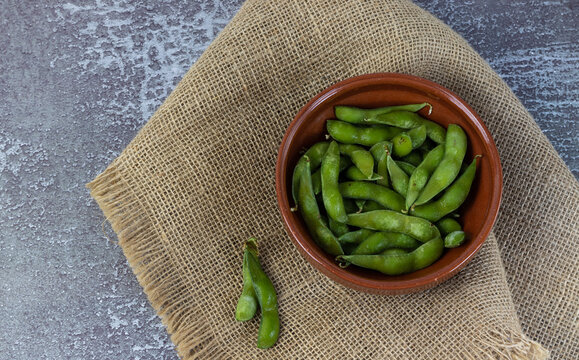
(478, 213)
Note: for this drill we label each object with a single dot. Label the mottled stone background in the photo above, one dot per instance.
(77, 81)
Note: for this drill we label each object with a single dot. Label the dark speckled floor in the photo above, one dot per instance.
(77, 81)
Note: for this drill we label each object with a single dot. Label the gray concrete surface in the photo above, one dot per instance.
(77, 81)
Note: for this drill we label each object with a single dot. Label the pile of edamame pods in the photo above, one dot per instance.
(382, 192)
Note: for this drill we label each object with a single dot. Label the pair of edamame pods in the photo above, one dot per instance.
(258, 290)
(371, 210)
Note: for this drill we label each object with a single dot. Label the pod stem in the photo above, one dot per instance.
(251, 243)
(341, 262)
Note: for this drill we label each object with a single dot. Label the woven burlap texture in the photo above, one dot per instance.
(198, 180)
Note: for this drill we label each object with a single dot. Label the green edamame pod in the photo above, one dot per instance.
(310, 212)
(382, 170)
(398, 178)
(314, 155)
(454, 239)
(247, 303)
(392, 221)
(447, 170)
(360, 157)
(414, 158)
(410, 120)
(356, 115)
(267, 299)
(426, 255)
(337, 228)
(420, 176)
(317, 182)
(394, 252)
(345, 162)
(353, 173)
(417, 135)
(448, 225)
(347, 133)
(380, 151)
(386, 264)
(355, 237)
(380, 241)
(333, 202)
(406, 167)
(368, 191)
(450, 200)
(370, 205)
(397, 263)
(402, 144)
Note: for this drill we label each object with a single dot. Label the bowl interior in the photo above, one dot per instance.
(477, 213)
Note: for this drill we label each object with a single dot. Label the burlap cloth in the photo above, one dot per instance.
(198, 180)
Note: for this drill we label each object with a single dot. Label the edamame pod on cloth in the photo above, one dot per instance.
(247, 303)
(310, 212)
(360, 157)
(450, 200)
(314, 155)
(449, 166)
(355, 115)
(267, 299)
(347, 133)
(330, 171)
(399, 263)
(410, 120)
(367, 191)
(392, 221)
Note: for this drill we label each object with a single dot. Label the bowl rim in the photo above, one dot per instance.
(402, 286)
